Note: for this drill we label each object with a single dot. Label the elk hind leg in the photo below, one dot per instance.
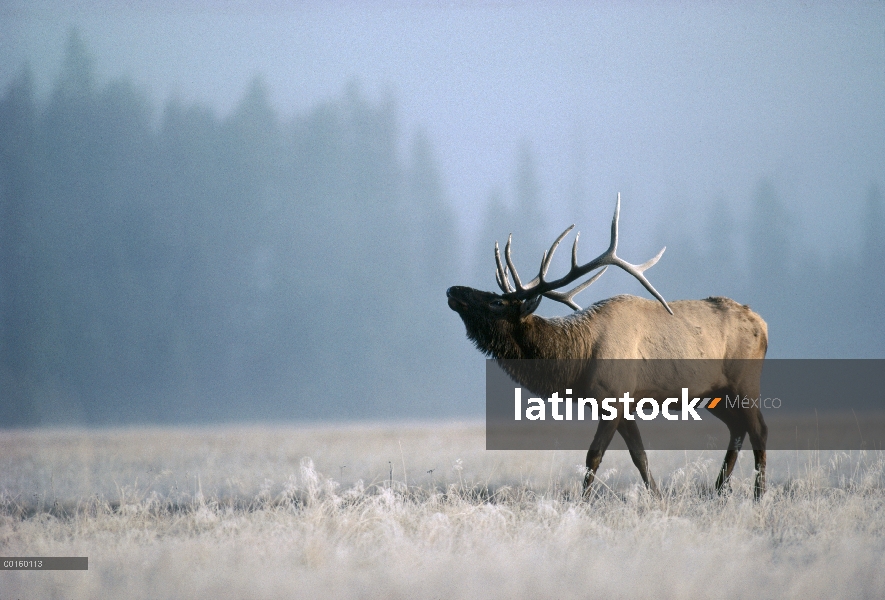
(736, 440)
(758, 431)
(630, 432)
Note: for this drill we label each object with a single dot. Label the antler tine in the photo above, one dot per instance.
(500, 282)
(516, 280)
(636, 271)
(613, 246)
(548, 256)
(575, 251)
(651, 262)
(567, 297)
(501, 273)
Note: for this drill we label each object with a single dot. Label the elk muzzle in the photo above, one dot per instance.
(457, 301)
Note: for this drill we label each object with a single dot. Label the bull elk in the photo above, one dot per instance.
(504, 327)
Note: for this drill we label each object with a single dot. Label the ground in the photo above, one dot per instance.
(423, 511)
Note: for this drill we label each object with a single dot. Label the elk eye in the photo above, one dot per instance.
(497, 303)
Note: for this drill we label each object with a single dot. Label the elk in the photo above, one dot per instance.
(504, 327)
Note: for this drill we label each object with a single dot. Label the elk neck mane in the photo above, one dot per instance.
(536, 337)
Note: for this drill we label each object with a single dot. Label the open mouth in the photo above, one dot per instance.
(454, 303)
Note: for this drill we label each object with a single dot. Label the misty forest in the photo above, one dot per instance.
(164, 265)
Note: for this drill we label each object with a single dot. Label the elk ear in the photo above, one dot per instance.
(529, 306)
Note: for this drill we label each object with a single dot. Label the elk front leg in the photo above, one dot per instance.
(604, 434)
(629, 430)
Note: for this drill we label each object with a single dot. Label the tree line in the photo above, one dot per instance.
(189, 268)
(204, 268)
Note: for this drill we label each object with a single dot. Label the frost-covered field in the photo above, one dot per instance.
(312, 512)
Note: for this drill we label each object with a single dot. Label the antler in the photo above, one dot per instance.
(539, 286)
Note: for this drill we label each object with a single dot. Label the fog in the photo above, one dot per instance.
(252, 213)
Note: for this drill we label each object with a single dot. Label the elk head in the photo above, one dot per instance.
(496, 322)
